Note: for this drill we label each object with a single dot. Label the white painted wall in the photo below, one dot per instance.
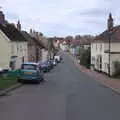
(4, 51)
(99, 49)
(63, 47)
(19, 49)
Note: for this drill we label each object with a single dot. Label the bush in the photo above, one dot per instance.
(85, 58)
(117, 68)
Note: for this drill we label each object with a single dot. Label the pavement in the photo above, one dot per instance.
(110, 82)
(66, 94)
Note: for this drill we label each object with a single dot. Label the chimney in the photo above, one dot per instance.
(2, 18)
(19, 26)
(30, 31)
(37, 34)
(110, 22)
(40, 34)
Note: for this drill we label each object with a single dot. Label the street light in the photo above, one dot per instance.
(109, 36)
(109, 51)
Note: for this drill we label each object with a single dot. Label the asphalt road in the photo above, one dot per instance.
(66, 94)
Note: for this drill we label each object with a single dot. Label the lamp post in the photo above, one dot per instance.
(109, 69)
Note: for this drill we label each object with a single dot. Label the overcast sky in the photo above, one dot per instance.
(62, 17)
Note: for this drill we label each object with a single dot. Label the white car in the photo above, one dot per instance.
(1, 69)
(57, 58)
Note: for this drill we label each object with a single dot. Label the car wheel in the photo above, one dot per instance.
(42, 79)
(38, 81)
(19, 80)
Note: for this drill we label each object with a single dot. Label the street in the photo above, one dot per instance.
(66, 94)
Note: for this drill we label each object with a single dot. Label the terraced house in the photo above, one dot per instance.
(5, 47)
(34, 47)
(18, 52)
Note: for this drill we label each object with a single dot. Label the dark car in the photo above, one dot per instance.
(51, 65)
(44, 66)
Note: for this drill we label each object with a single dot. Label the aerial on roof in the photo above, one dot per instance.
(12, 33)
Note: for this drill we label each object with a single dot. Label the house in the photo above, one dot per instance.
(83, 41)
(105, 49)
(72, 49)
(34, 47)
(52, 49)
(18, 44)
(5, 54)
(42, 42)
(64, 46)
(56, 41)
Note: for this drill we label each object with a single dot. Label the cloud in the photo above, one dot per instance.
(93, 12)
(12, 16)
(62, 17)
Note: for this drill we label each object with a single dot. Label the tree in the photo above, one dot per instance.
(85, 58)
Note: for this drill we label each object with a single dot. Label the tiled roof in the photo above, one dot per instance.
(28, 37)
(80, 42)
(12, 33)
(113, 35)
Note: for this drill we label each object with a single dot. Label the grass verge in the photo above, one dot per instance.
(6, 82)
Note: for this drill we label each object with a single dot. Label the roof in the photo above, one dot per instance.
(43, 41)
(113, 35)
(12, 33)
(81, 42)
(29, 37)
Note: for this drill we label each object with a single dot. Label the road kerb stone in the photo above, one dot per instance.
(4, 92)
(106, 85)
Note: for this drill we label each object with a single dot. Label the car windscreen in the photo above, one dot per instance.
(28, 67)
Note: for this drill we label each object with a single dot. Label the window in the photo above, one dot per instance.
(93, 60)
(100, 46)
(92, 45)
(12, 49)
(20, 48)
(28, 67)
(96, 46)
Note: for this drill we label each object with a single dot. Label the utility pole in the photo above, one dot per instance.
(109, 34)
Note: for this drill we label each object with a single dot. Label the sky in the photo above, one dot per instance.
(62, 17)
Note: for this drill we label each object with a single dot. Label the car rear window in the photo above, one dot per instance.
(29, 67)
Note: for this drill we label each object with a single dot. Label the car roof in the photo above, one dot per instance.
(30, 63)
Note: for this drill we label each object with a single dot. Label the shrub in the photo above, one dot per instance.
(85, 58)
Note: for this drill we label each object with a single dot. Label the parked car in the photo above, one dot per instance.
(54, 62)
(58, 58)
(44, 66)
(30, 72)
(50, 64)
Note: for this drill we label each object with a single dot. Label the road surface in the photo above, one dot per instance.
(66, 94)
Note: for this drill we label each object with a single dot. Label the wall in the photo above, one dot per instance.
(45, 55)
(101, 48)
(64, 47)
(4, 51)
(19, 49)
